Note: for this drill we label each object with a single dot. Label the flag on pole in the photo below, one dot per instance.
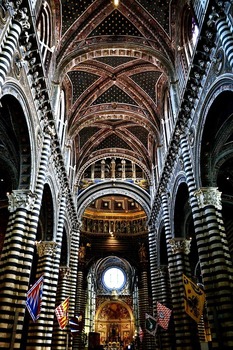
(163, 315)
(76, 324)
(34, 299)
(151, 324)
(62, 313)
(194, 299)
(141, 334)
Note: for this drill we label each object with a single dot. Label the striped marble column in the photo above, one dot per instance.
(144, 307)
(186, 332)
(40, 333)
(81, 299)
(61, 337)
(216, 268)
(226, 37)
(173, 298)
(15, 265)
(60, 279)
(18, 252)
(160, 287)
(153, 255)
(18, 23)
(165, 338)
(73, 264)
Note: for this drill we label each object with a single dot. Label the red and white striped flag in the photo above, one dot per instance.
(163, 315)
(141, 334)
(62, 313)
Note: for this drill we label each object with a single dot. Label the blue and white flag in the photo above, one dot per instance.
(34, 299)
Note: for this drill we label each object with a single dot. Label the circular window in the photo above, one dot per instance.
(114, 278)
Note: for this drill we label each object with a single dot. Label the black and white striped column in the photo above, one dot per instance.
(216, 268)
(153, 255)
(163, 278)
(16, 26)
(144, 307)
(15, 265)
(39, 335)
(186, 331)
(213, 254)
(178, 263)
(226, 37)
(81, 298)
(18, 252)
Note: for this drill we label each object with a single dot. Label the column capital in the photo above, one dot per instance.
(208, 196)
(46, 248)
(21, 199)
(64, 271)
(162, 270)
(180, 245)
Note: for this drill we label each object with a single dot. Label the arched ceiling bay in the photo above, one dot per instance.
(115, 64)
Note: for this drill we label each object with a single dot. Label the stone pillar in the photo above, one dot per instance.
(133, 171)
(102, 169)
(61, 278)
(123, 169)
(81, 294)
(18, 251)
(224, 28)
(93, 172)
(18, 23)
(15, 265)
(40, 336)
(216, 267)
(186, 333)
(61, 336)
(144, 307)
(165, 338)
(113, 169)
(153, 254)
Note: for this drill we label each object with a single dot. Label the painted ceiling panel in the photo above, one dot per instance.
(140, 133)
(158, 9)
(115, 94)
(116, 24)
(81, 81)
(85, 134)
(71, 10)
(147, 81)
(115, 61)
(118, 60)
(113, 141)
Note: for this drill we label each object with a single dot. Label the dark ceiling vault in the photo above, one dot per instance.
(116, 64)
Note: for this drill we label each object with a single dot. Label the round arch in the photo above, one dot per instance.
(133, 50)
(27, 132)
(115, 322)
(120, 153)
(113, 187)
(180, 180)
(222, 85)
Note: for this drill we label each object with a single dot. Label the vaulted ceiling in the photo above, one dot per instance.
(115, 64)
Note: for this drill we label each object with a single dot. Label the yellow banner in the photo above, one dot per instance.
(194, 299)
